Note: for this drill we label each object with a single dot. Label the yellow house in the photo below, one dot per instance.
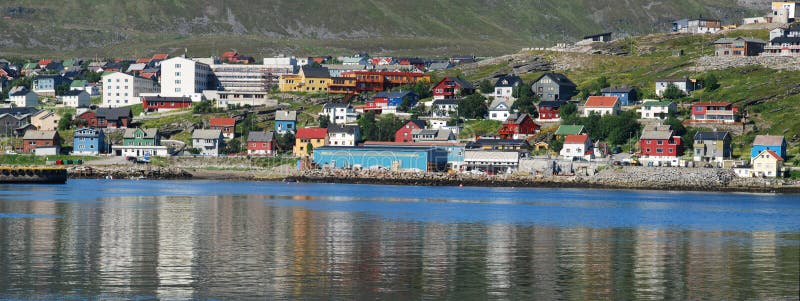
(308, 80)
(45, 120)
(317, 137)
(767, 164)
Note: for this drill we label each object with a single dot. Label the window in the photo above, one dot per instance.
(177, 65)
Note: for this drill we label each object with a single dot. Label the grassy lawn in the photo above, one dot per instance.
(27, 160)
(480, 127)
(177, 118)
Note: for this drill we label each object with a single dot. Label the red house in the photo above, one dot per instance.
(39, 139)
(658, 142)
(452, 87)
(106, 118)
(226, 125)
(261, 143)
(404, 133)
(88, 118)
(158, 103)
(714, 112)
(518, 127)
(548, 110)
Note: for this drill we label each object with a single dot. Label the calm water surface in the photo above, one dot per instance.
(242, 240)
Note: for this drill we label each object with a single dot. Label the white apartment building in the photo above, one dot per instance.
(120, 89)
(182, 77)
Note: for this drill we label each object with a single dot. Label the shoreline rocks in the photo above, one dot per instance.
(127, 172)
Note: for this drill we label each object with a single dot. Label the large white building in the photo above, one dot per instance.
(182, 77)
(120, 89)
(339, 113)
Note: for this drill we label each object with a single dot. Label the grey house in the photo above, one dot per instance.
(209, 142)
(553, 87)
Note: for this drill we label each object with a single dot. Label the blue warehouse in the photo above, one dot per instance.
(391, 158)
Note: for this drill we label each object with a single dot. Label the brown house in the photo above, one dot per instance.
(739, 47)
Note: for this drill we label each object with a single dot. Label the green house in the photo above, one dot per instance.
(141, 137)
(565, 130)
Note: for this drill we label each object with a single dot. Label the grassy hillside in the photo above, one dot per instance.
(771, 97)
(483, 27)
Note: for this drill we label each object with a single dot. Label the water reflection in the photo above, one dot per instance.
(186, 247)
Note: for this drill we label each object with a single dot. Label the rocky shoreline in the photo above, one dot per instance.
(128, 172)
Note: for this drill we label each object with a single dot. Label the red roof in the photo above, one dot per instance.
(143, 61)
(576, 139)
(45, 62)
(715, 104)
(160, 56)
(311, 133)
(229, 54)
(774, 155)
(223, 121)
(601, 101)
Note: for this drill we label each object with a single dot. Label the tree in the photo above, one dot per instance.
(526, 104)
(404, 105)
(594, 87)
(368, 126)
(233, 147)
(314, 65)
(61, 89)
(672, 92)
(324, 121)
(386, 127)
(309, 148)
(568, 109)
(205, 106)
(473, 107)
(417, 111)
(710, 82)
(522, 90)
(285, 141)
(486, 86)
(65, 122)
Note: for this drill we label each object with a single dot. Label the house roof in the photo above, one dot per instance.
(148, 133)
(490, 142)
(552, 104)
(438, 134)
(30, 66)
(40, 135)
(601, 101)
(261, 136)
(461, 82)
(341, 128)
(711, 135)
(659, 134)
(78, 83)
(730, 40)
(160, 56)
(617, 90)
(560, 79)
(569, 130)
(206, 134)
(657, 103)
(18, 111)
(315, 72)
(143, 61)
(222, 121)
(769, 140)
(498, 102)
(286, 115)
(576, 139)
(672, 80)
(713, 104)
(418, 122)
(20, 92)
(439, 66)
(772, 153)
(393, 94)
(87, 132)
(113, 113)
(311, 133)
(508, 81)
(137, 67)
(788, 40)
(518, 119)
(335, 104)
(451, 101)
(73, 93)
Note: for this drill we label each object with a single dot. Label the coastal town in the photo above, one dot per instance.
(369, 114)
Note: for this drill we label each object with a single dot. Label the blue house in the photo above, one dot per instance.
(89, 141)
(389, 158)
(455, 150)
(776, 144)
(285, 122)
(395, 98)
(627, 95)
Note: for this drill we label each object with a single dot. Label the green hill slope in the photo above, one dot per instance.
(482, 27)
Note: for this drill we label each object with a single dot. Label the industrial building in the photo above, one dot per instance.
(431, 159)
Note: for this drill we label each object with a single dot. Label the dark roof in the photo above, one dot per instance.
(48, 76)
(113, 113)
(261, 136)
(418, 122)
(87, 132)
(168, 99)
(560, 79)
(73, 92)
(505, 142)
(788, 40)
(597, 35)
(18, 111)
(462, 82)
(316, 72)
(112, 66)
(335, 104)
(341, 128)
(451, 101)
(552, 104)
(710, 135)
(20, 92)
(508, 81)
(393, 94)
(617, 90)
(521, 118)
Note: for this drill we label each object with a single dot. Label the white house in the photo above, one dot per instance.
(654, 109)
(120, 89)
(499, 110)
(23, 98)
(209, 142)
(75, 99)
(443, 107)
(436, 124)
(339, 113)
(602, 105)
(577, 146)
(504, 87)
(182, 77)
(766, 164)
(343, 135)
(684, 84)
